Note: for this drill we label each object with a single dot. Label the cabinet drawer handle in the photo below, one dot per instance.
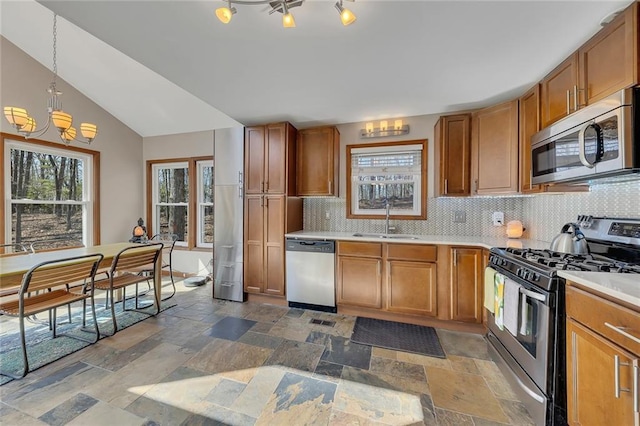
(575, 97)
(568, 102)
(446, 186)
(621, 331)
(636, 404)
(616, 375)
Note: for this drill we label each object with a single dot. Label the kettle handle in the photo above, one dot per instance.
(578, 235)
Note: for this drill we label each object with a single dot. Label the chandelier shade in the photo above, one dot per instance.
(61, 120)
(25, 125)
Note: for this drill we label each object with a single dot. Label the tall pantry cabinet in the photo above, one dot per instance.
(269, 210)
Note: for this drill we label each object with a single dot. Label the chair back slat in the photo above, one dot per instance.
(60, 272)
(134, 257)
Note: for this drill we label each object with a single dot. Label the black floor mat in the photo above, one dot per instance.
(395, 335)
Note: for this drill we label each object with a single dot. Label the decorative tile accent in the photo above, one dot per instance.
(545, 214)
(542, 215)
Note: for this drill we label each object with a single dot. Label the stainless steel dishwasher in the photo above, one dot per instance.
(311, 274)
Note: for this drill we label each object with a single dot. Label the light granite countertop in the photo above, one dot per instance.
(624, 287)
(485, 242)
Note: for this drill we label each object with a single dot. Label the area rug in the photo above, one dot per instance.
(42, 349)
(397, 336)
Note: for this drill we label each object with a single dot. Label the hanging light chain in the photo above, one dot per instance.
(55, 39)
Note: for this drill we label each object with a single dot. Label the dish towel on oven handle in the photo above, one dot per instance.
(498, 307)
(489, 289)
(511, 305)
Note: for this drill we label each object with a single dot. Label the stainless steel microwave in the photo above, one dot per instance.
(599, 141)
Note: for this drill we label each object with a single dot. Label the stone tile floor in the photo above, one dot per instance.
(212, 362)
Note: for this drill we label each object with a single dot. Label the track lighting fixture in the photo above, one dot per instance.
(226, 12)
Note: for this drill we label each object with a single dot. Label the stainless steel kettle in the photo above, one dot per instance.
(570, 240)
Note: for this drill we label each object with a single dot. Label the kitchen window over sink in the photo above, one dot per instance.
(393, 173)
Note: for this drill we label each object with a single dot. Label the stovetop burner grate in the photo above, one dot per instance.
(574, 262)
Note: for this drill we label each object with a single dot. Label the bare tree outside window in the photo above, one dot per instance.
(46, 198)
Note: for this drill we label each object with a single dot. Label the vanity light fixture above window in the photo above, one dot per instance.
(384, 129)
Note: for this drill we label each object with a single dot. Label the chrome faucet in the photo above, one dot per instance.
(386, 221)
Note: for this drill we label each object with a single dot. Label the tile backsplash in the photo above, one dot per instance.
(547, 213)
(542, 215)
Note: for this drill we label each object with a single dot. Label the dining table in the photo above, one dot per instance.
(13, 268)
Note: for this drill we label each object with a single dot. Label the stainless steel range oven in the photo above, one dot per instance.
(531, 354)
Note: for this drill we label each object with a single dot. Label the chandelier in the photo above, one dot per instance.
(20, 119)
(225, 13)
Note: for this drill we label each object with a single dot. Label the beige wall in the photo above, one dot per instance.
(420, 127)
(23, 82)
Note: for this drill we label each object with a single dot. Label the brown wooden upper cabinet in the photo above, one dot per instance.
(529, 124)
(453, 155)
(608, 62)
(318, 161)
(270, 159)
(494, 149)
(559, 91)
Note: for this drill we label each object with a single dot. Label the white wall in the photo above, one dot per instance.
(23, 83)
(183, 145)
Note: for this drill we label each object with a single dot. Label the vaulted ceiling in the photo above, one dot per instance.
(165, 67)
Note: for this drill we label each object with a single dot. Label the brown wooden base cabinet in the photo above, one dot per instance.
(390, 277)
(466, 284)
(267, 219)
(359, 274)
(602, 363)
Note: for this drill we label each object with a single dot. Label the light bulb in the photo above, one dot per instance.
(347, 17)
(224, 14)
(368, 127)
(397, 124)
(383, 125)
(69, 134)
(288, 21)
(18, 117)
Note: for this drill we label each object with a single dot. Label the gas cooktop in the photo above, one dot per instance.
(574, 262)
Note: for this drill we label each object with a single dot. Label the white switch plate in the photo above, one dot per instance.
(498, 218)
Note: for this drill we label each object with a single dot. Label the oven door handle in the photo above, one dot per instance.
(536, 296)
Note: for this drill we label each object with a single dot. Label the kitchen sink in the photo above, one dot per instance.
(385, 236)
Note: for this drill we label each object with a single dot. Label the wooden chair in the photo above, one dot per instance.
(13, 249)
(121, 275)
(52, 278)
(169, 242)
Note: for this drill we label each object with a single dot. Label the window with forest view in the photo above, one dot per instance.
(171, 213)
(182, 197)
(387, 174)
(205, 204)
(49, 196)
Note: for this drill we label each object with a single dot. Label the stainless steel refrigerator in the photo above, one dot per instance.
(228, 188)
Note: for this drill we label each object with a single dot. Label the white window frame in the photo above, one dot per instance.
(155, 203)
(202, 205)
(87, 184)
(415, 171)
